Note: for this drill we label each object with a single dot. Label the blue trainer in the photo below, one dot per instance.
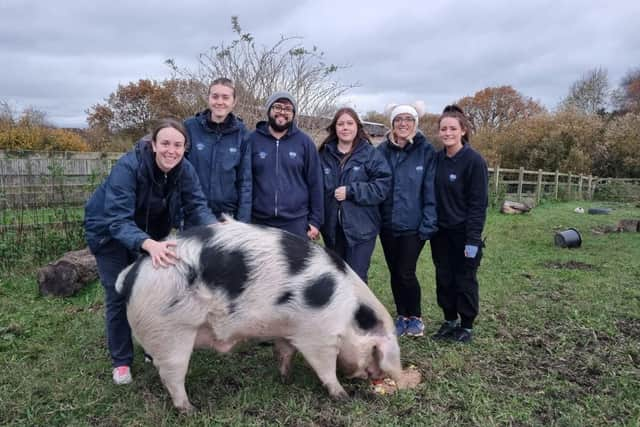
(401, 325)
(415, 327)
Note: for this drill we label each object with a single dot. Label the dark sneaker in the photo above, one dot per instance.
(401, 325)
(415, 327)
(462, 335)
(445, 331)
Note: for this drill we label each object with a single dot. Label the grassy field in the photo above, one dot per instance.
(557, 343)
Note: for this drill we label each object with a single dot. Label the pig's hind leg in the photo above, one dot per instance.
(172, 363)
(322, 357)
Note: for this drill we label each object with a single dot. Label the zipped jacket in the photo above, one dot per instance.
(410, 207)
(221, 157)
(367, 178)
(287, 179)
(121, 208)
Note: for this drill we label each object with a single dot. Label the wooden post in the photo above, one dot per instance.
(569, 186)
(589, 189)
(520, 182)
(580, 188)
(539, 195)
(557, 181)
(497, 182)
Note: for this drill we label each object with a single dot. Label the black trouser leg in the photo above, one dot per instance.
(456, 277)
(445, 283)
(401, 254)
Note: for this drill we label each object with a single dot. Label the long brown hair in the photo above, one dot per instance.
(333, 135)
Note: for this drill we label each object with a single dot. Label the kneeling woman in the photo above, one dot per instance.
(356, 180)
(147, 192)
(456, 249)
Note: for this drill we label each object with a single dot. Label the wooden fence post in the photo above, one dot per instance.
(557, 184)
(580, 188)
(589, 188)
(539, 195)
(569, 186)
(497, 182)
(520, 182)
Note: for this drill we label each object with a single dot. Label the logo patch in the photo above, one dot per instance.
(293, 154)
(327, 171)
(356, 168)
(419, 168)
(452, 177)
(200, 146)
(233, 149)
(262, 155)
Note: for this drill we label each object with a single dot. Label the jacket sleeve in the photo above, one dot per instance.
(315, 185)
(120, 204)
(374, 191)
(245, 181)
(429, 223)
(194, 204)
(477, 200)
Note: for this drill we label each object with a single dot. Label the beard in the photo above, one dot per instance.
(278, 128)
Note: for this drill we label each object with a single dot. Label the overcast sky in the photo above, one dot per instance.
(64, 56)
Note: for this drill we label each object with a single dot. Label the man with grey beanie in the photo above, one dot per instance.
(287, 178)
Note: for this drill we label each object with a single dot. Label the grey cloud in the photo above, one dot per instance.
(64, 56)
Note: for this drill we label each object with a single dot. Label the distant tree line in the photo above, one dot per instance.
(594, 130)
(29, 130)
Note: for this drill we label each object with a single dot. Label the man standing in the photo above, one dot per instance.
(287, 178)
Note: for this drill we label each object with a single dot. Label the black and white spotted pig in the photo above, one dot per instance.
(236, 281)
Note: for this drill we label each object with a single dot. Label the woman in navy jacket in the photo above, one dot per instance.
(219, 152)
(146, 194)
(356, 180)
(408, 213)
(461, 191)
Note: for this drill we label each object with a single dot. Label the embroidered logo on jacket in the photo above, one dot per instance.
(453, 177)
(356, 168)
(200, 146)
(262, 155)
(232, 149)
(419, 169)
(327, 171)
(293, 154)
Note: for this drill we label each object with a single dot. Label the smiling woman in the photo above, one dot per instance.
(148, 192)
(408, 213)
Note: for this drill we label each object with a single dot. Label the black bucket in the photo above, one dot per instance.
(569, 238)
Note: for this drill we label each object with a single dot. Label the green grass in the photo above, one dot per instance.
(554, 346)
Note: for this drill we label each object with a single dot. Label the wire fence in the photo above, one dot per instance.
(42, 195)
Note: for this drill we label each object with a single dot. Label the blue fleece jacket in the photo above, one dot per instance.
(462, 193)
(367, 178)
(222, 159)
(411, 205)
(126, 205)
(287, 178)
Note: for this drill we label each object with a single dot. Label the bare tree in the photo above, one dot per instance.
(259, 71)
(590, 94)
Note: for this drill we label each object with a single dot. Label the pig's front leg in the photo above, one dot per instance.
(284, 351)
(322, 358)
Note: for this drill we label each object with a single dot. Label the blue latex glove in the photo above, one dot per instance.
(470, 251)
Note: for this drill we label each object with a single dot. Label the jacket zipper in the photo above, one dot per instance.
(277, 174)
